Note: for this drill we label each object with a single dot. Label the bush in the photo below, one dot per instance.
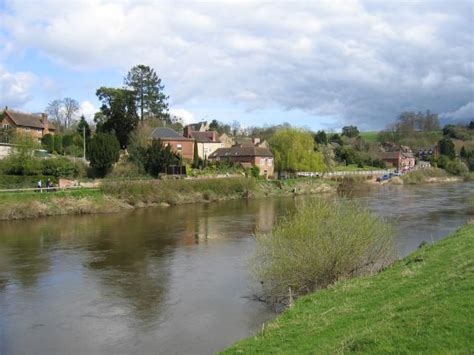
(21, 165)
(23, 182)
(158, 158)
(47, 142)
(60, 167)
(422, 175)
(319, 244)
(103, 152)
(255, 171)
(456, 167)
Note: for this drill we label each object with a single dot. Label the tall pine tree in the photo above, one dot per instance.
(148, 90)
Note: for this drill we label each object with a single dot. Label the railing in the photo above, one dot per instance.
(346, 173)
(49, 189)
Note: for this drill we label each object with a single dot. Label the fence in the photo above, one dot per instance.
(346, 173)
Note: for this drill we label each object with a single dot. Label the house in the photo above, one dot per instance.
(180, 145)
(195, 127)
(207, 141)
(36, 126)
(247, 156)
(226, 141)
(399, 157)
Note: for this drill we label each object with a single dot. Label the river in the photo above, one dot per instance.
(167, 280)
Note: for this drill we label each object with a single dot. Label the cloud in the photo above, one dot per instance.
(88, 110)
(360, 61)
(15, 88)
(464, 112)
(185, 115)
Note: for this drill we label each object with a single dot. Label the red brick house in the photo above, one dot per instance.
(26, 123)
(247, 156)
(399, 157)
(181, 145)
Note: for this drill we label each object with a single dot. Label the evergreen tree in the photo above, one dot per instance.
(148, 91)
(103, 152)
(118, 113)
(446, 147)
(83, 125)
(196, 156)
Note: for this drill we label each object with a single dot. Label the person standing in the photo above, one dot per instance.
(40, 185)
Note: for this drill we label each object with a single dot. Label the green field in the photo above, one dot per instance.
(369, 136)
(422, 304)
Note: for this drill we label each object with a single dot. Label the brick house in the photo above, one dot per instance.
(399, 157)
(180, 145)
(247, 156)
(36, 126)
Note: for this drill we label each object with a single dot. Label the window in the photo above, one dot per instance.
(270, 162)
(39, 130)
(262, 161)
(6, 126)
(27, 129)
(179, 147)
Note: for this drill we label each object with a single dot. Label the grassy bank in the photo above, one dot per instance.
(114, 196)
(423, 303)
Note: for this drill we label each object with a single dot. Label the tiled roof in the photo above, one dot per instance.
(245, 151)
(203, 137)
(168, 134)
(28, 119)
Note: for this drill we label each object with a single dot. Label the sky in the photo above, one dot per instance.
(320, 64)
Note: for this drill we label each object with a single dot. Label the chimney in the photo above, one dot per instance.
(44, 121)
(256, 141)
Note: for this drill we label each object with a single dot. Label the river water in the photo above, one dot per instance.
(167, 281)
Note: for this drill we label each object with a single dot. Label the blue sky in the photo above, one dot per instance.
(317, 64)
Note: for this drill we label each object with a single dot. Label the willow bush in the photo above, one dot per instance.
(319, 244)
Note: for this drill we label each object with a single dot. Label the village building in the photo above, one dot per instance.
(36, 126)
(226, 140)
(180, 145)
(207, 141)
(398, 156)
(247, 156)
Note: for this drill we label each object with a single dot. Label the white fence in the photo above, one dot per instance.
(347, 173)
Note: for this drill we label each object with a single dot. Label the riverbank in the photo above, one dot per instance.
(114, 196)
(423, 303)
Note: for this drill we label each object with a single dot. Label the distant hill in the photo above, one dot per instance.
(370, 136)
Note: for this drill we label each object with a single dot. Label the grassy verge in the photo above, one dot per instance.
(116, 195)
(423, 303)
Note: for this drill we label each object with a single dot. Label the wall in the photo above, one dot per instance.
(187, 148)
(206, 149)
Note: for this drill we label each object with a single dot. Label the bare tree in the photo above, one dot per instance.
(71, 107)
(63, 111)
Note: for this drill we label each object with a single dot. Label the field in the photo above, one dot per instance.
(421, 304)
(370, 136)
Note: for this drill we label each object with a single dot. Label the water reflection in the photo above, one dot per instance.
(166, 280)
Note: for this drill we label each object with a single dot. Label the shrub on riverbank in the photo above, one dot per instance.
(423, 175)
(178, 191)
(319, 244)
(422, 304)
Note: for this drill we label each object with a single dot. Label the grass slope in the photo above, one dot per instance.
(423, 303)
(370, 136)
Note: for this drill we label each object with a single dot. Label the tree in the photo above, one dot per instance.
(294, 151)
(83, 125)
(463, 153)
(196, 156)
(471, 125)
(220, 127)
(158, 158)
(235, 128)
(103, 152)
(119, 113)
(63, 111)
(350, 131)
(148, 91)
(321, 137)
(446, 147)
(336, 138)
(47, 141)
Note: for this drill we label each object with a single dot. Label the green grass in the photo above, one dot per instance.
(369, 136)
(424, 303)
(354, 167)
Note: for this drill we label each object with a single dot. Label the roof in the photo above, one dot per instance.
(203, 137)
(245, 151)
(196, 126)
(168, 134)
(390, 155)
(27, 119)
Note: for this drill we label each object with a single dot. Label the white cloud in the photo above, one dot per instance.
(185, 115)
(15, 88)
(462, 113)
(88, 110)
(360, 60)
